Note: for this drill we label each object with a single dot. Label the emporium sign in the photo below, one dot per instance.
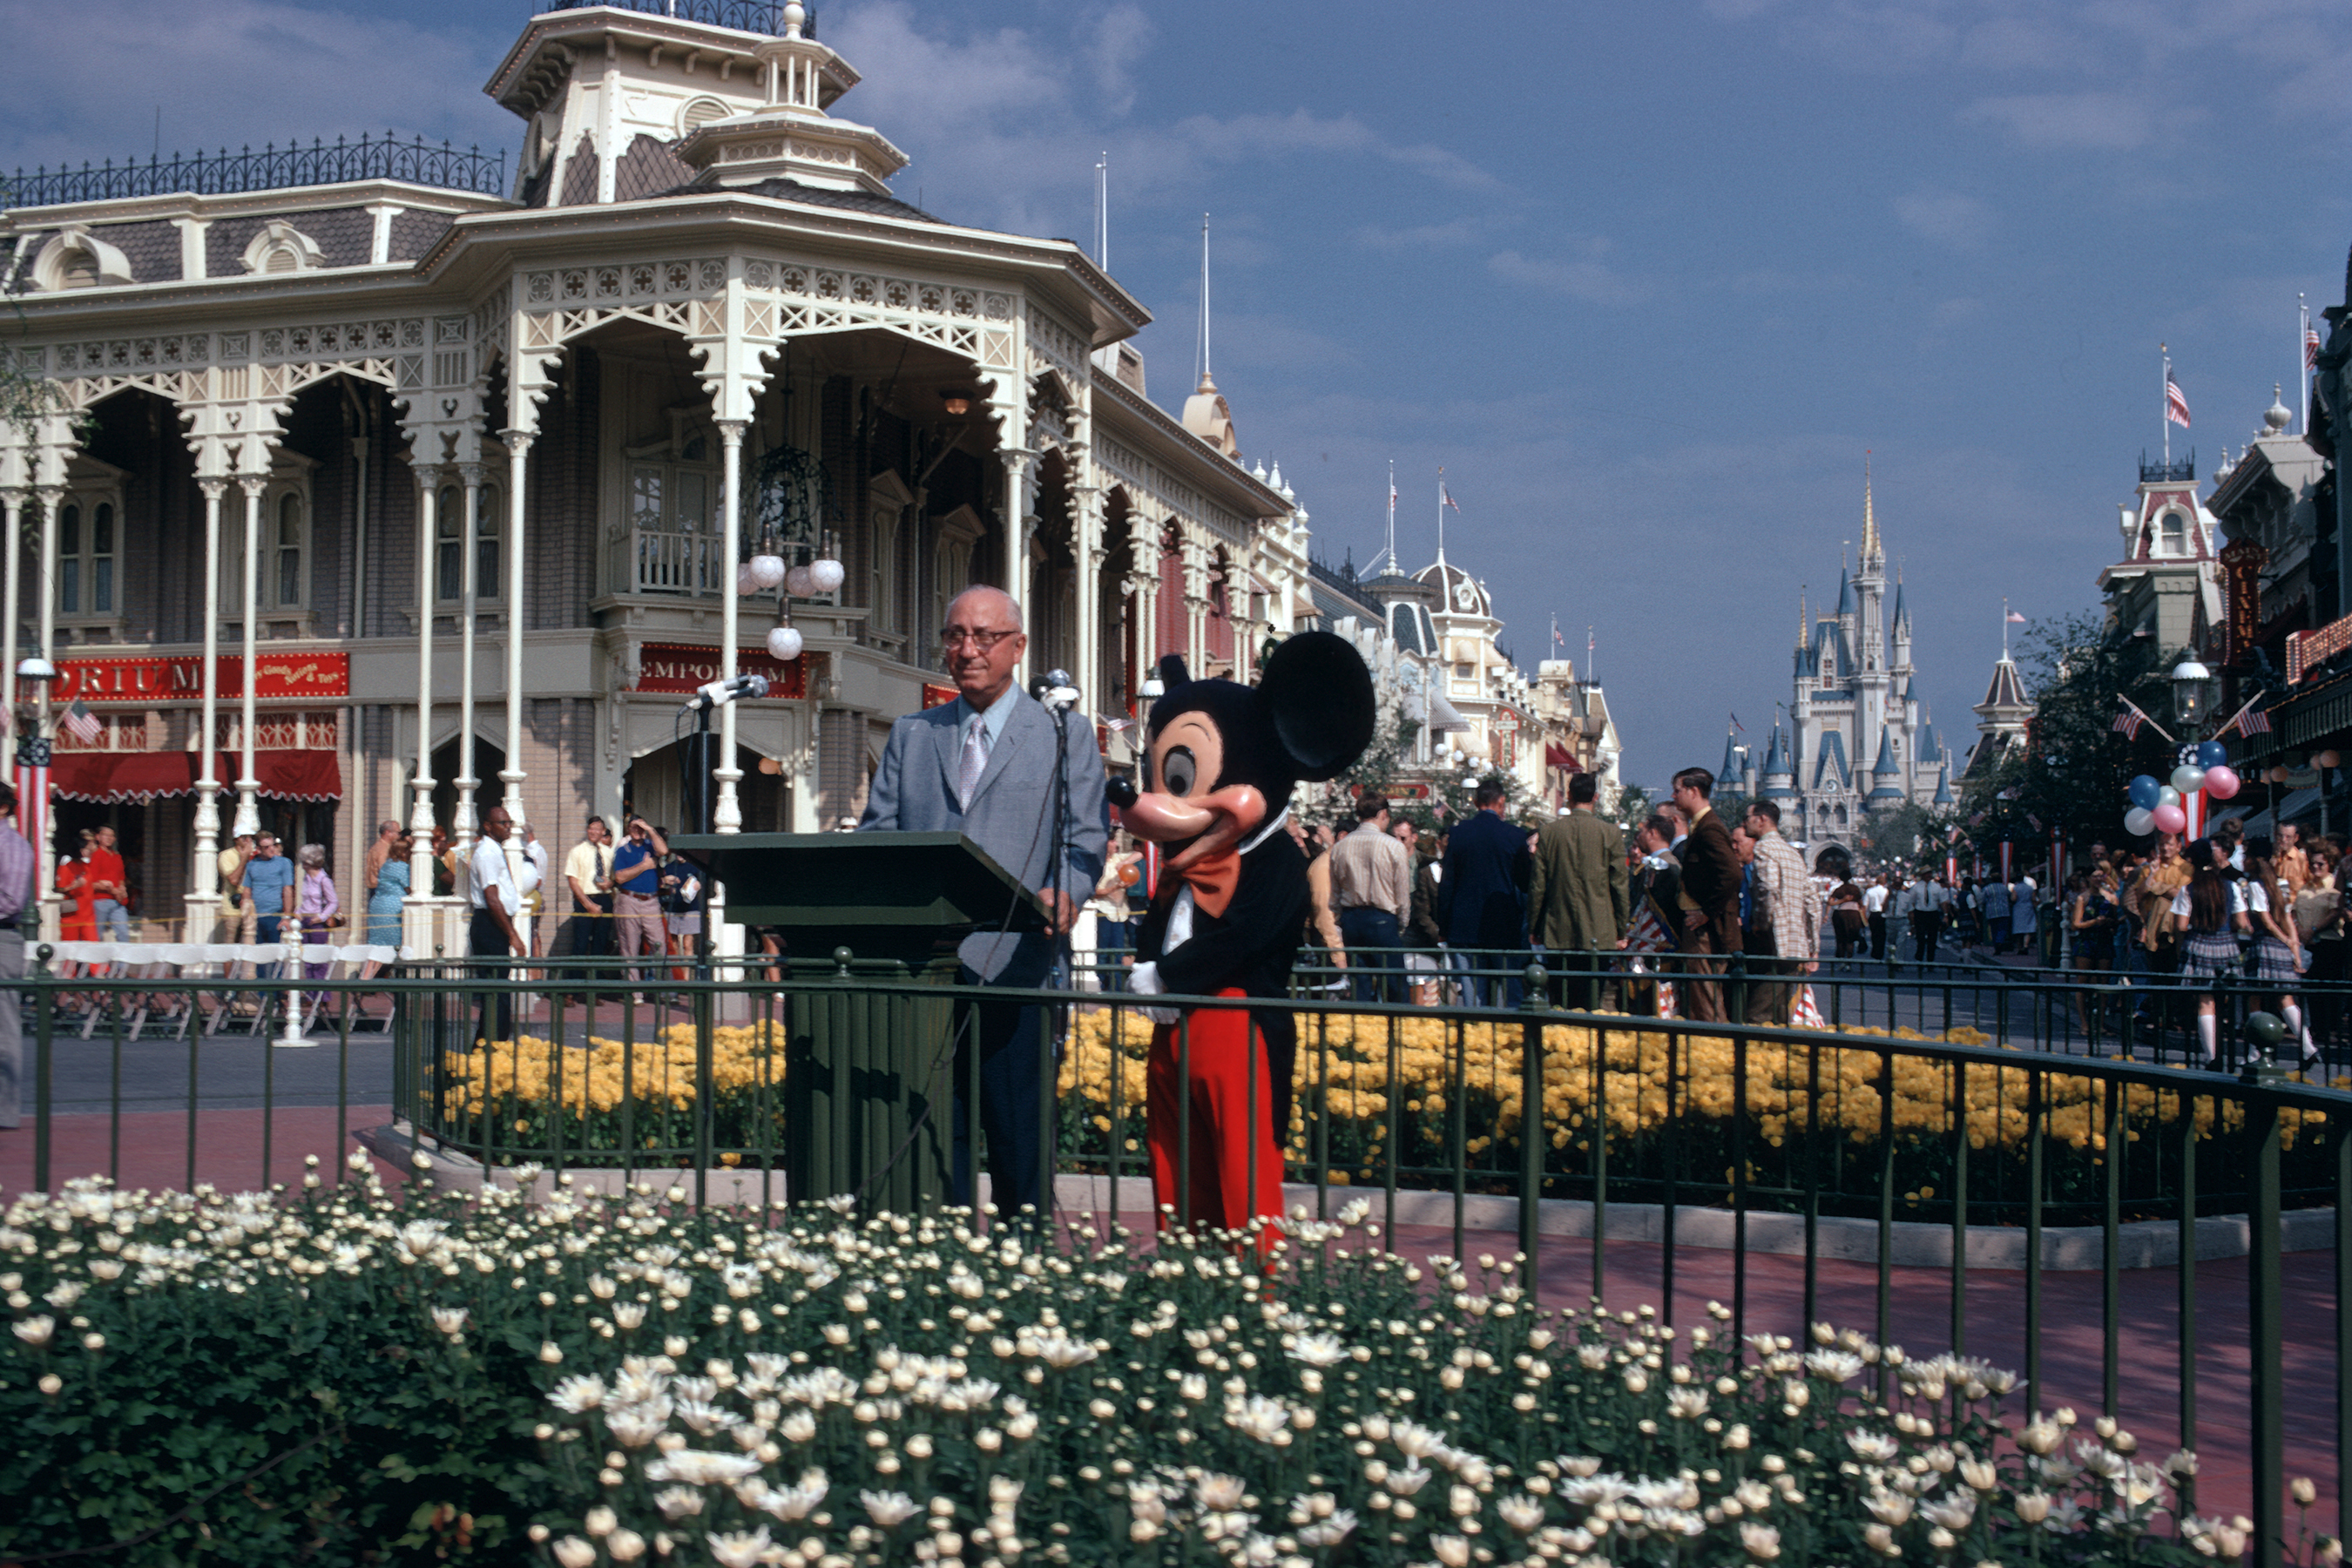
(673, 667)
(150, 678)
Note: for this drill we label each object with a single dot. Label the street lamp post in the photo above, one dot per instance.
(2192, 692)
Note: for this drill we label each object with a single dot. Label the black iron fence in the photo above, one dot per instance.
(225, 173)
(1798, 1174)
(743, 16)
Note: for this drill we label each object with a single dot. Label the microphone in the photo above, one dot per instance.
(1059, 695)
(720, 692)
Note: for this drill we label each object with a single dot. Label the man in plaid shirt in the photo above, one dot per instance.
(1788, 905)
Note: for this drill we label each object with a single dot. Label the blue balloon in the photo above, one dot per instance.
(2213, 755)
(2146, 792)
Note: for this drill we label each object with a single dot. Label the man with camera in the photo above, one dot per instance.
(636, 884)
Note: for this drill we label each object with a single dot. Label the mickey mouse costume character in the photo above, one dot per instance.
(1221, 764)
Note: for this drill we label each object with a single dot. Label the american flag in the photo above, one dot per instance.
(2176, 406)
(2129, 722)
(1445, 495)
(1649, 934)
(2253, 721)
(83, 725)
(2310, 346)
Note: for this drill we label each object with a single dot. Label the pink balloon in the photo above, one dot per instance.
(2220, 783)
(2170, 818)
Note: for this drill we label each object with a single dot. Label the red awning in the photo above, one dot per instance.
(121, 778)
(299, 775)
(1557, 756)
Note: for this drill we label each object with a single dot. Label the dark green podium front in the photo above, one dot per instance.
(868, 1088)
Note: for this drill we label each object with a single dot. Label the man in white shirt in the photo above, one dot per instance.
(1874, 907)
(490, 889)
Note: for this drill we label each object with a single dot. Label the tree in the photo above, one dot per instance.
(1632, 808)
(1909, 836)
(2069, 773)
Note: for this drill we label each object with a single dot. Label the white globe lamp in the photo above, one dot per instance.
(785, 643)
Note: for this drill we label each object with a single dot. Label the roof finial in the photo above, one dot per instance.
(1869, 517)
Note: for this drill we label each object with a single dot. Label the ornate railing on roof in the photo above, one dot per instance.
(743, 16)
(273, 168)
(2170, 472)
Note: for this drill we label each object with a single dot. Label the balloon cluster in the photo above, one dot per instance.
(2156, 806)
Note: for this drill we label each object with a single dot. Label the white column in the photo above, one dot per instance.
(204, 904)
(1088, 560)
(12, 505)
(248, 806)
(727, 815)
(1016, 541)
(420, 811)
(518, 466)
(468, 824)
(45, 857)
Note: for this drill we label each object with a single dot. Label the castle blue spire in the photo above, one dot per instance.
(1733, 760)
(1943, 787)
(1888, 790)
(1845, 592)
(1779, 780)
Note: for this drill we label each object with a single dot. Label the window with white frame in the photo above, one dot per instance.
(281, 566)
(885, 600)
(87, 534)
(449, 540)
(674, 520)
(2172, 533)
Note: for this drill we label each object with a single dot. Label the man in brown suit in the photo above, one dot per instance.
(1709, 898)
(1578, 896)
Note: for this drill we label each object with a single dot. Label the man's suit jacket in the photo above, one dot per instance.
(914, 792)
(1711, 877)
(1578, 896)
(1482, 891)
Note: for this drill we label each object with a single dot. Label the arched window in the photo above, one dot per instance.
(2172, 534)
(86, 558)
(449, 544)
(287, 549)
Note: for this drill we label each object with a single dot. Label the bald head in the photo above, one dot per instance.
(982, 643)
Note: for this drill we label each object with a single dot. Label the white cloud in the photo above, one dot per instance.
(1945, 216)
(1584, 277)
(2077, 121)
(86, 80)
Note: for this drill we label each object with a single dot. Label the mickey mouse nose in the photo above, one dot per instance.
(1120, 791)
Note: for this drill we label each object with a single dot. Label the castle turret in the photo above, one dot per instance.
(1735, 764)
(1887, 774)
(1780, 771)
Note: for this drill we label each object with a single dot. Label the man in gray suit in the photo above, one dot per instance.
(984, 765)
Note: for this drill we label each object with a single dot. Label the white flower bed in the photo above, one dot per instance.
(808, 1389)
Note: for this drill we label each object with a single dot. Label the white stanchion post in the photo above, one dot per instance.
(290, 930)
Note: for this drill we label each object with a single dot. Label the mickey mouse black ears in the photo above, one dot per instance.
(1318, 695)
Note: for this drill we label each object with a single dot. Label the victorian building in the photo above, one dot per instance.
(379, 484)
(2167, 584)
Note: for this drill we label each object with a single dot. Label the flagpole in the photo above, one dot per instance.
(1393, 554)
(1441, 517)
(2302, 358)
(2164, 407)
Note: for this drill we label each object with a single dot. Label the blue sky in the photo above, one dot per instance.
(1647, 280)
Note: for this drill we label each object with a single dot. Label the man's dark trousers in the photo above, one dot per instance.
(484, 939)
(1015, 1059)
(1373, 939)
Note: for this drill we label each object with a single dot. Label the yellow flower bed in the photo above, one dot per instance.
(661, 1069)
(1348, 1057)
(1488, 1058)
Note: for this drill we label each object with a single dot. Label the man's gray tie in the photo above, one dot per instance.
(975, 763)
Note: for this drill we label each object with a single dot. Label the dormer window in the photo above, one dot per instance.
(282, 247)
(75, 259)
(2172, 534)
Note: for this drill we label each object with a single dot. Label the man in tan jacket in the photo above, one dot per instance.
(1578, 902)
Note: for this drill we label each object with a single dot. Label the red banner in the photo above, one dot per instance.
(180, 677)
(671, 667)
(936, 696)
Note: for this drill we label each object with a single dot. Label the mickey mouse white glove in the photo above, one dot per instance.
(1144, 981)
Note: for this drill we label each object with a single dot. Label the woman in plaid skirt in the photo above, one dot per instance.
(2278, 947)
(2212, 909)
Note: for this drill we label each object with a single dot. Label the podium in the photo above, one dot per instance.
(869, 1058)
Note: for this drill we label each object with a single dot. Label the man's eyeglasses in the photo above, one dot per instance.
(955, 637)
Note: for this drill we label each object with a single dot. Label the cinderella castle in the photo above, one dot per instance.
(1858, 738)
